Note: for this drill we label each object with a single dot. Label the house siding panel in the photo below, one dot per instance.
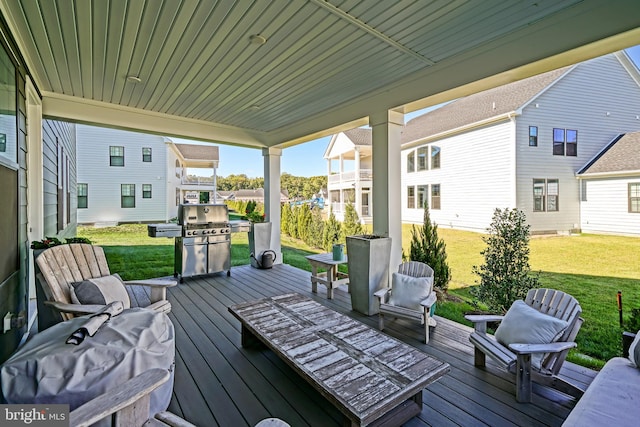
(599, 99)
(606, 209)
(104, 181)
(475, 178)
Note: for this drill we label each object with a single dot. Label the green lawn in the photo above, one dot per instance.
(592, 268)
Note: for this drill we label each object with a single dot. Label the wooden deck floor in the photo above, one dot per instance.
(217, 382)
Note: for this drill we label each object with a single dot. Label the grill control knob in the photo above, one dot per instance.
(213, 231)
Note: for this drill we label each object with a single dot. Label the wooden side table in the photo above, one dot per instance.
(332, 278)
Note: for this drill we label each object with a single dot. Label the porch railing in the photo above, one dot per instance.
(365, 175)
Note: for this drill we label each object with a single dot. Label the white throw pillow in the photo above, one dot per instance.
(524, 324)
(408, 292)
(634, 351)
(100, 291)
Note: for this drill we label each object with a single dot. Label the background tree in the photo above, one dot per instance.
(331, 233)
(505, 275)
(351, 225)
(316, 228)
(428, 248)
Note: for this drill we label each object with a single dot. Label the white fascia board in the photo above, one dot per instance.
(92, 112)
(617, 174)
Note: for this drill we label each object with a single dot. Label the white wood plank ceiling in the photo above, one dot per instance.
(196, 61)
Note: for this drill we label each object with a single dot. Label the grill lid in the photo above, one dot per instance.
(202, 214)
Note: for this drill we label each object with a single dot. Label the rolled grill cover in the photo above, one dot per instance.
(202, 214)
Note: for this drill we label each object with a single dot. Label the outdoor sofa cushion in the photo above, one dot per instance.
(408, 292)
(526, 325)
(634, 351)
(100, 291)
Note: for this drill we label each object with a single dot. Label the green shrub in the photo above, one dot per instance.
(331, 233)
(505, 275)
(428, 248)
(351, 225)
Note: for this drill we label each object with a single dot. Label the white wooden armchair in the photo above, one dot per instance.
(516, 356)
(60, 266)
(417, 305)
(128, 405)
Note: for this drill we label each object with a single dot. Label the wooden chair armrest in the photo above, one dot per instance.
(173, 420)
(153, 283)
(380, 293)
(554, 347)
(120, 398)
(480, 321)
(74, 308)
(430, 300)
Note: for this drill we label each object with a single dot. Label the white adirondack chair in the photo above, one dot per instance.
(516, 358)
(413, 269)
(62, 265)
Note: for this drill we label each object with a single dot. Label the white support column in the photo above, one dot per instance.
(272, 191)
(357, 186)
(387, 220)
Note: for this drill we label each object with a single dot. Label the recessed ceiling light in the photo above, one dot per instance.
(257, 39)
(254, 107)
(134, 79)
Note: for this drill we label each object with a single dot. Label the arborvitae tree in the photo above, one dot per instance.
(293, 222)
(351, 225)
(428, 248)
(304, 219)
(332, 232)
(316, 228)
(285, 217)
(505, 275)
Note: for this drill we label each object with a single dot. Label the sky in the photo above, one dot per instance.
(303, 159)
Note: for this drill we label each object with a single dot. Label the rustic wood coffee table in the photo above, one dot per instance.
(371, 378)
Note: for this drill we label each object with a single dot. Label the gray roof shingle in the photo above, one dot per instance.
(359, 136)
(480, 106)
(621, 155)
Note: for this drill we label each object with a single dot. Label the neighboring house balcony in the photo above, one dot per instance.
(349, 177)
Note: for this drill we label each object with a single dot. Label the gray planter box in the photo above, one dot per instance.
(368, 260)
(259, 240)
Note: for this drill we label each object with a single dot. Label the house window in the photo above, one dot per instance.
(146, 191)
(411, 197)
(3, 143)
(435, 196)
(545, 195)
(422, 158)
(116, 156)
(146, 154)
(422, 195)
(411, 162)
(562, 137)
(572, 142)
(178, 169)
(127, 195)
(558, 142)
(435, 157)
(83, 193)
(533, 136)
(634, 197)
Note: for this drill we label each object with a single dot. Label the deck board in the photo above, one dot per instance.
(218, 382)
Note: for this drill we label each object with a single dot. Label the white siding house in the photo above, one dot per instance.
(610, 188)
(137, 177)
(352, 182)
(521, 145)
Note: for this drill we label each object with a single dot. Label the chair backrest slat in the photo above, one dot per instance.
(415, 269)
(561, 306)
(62, 265)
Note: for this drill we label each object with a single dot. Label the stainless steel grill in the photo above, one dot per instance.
(205, 244)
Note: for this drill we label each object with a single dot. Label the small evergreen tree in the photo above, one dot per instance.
(351, 225)
(304, 220)
(293, 222)
(316, 228)
(505, 275)
(285, 217)
(428, 248)
(331, 233)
